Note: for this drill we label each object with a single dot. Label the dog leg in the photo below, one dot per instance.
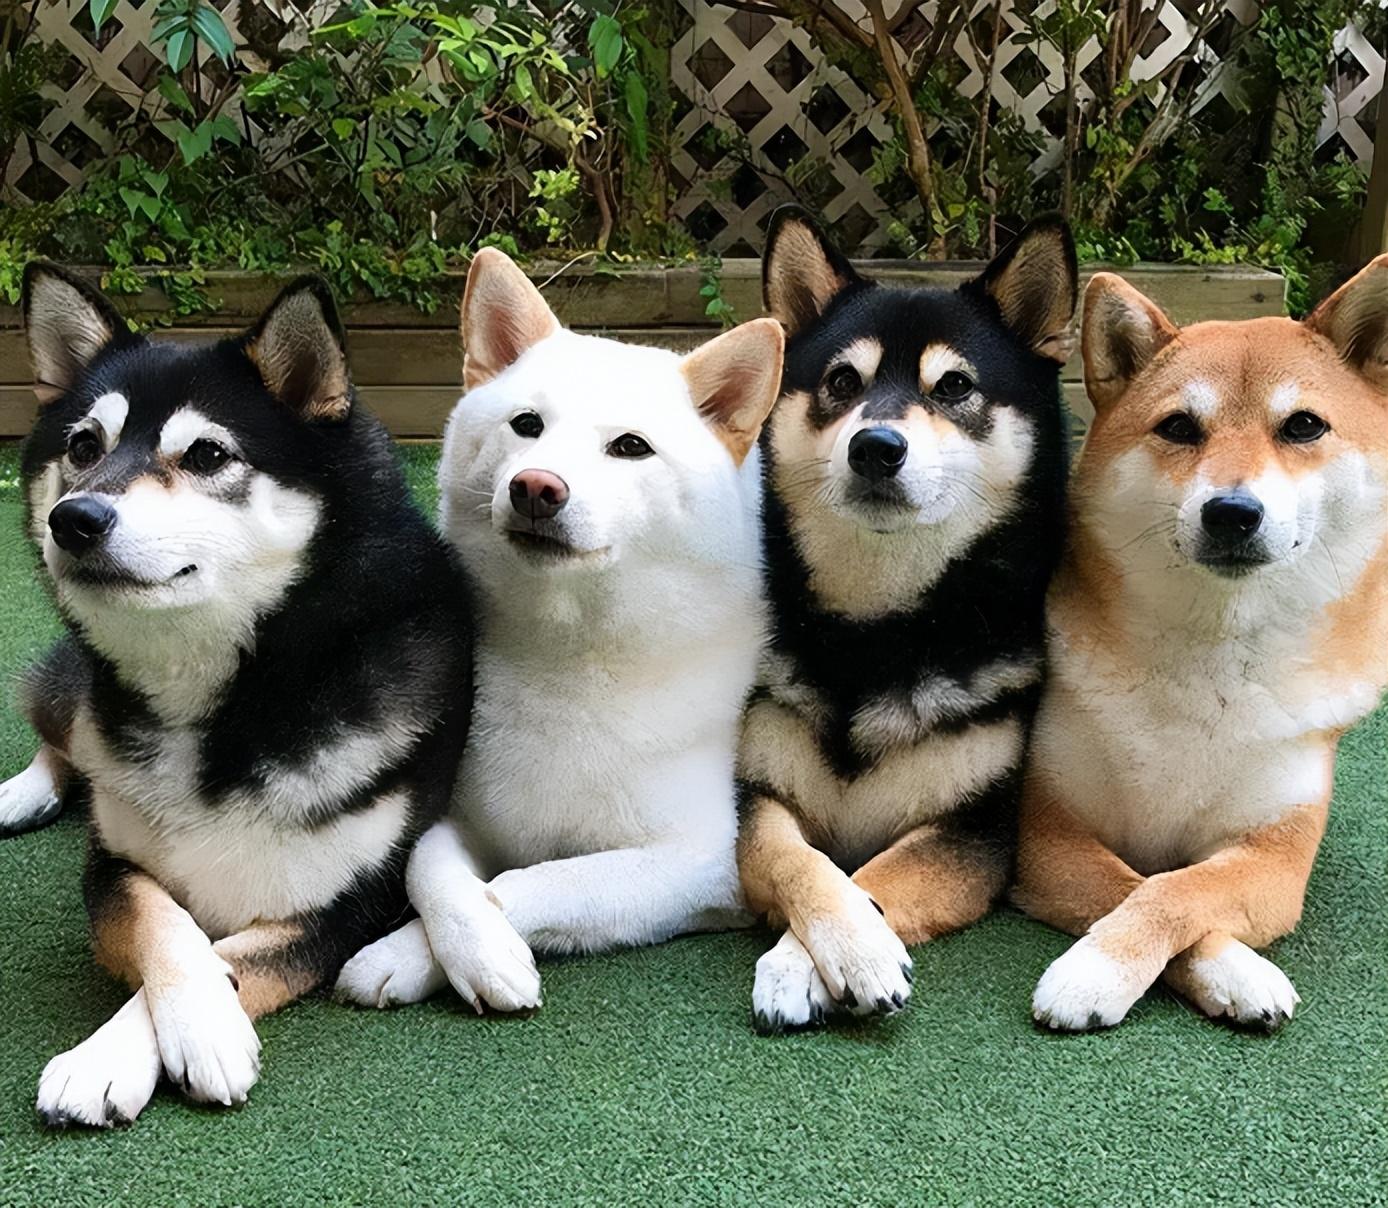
(1227, 980)
(34, 797)
(461, 937)
(932, 881)
(1065, 876)
(188, 1018)
(1251, 891)
(788, 992)
(621, 898)
(862, 961)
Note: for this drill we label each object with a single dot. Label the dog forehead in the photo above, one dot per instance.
(589, 377)
(1250, 372)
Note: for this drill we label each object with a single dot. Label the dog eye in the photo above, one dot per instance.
(1179, 429)
(953, 386)
(527, 424)
(629, 445)
(84, 449)
(1302, 428)
(205, 457)
(843, 383)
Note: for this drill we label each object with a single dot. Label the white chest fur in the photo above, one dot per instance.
(238, 859)
(571, 756)
(1169, 759)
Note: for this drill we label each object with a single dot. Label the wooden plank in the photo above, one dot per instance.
(669, 296)
(408, 411)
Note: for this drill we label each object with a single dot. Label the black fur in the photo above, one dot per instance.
(989, 602)
(379, 618)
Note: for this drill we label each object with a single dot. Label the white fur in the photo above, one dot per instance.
(909, 786)
(597, 791)
(1239, 985)
(1085, 989)
(31, 797)
(109, 1077)
(187, 425)
(1209, 718)
(864, 964)
(1200, 399)
(213, 569)
(788, 991)
(108, 413)
(938, 360)
(957, 487)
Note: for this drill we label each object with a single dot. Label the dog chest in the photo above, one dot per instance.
(1168, 763)
(230, 861)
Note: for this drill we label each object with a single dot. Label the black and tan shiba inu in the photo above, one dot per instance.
(1220, 620)
(265, 685)
(915, 469)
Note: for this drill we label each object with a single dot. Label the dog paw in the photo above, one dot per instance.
(789, 992)
(108, 1078)
(1084, 989)
(398, 969)
(484, 957)
(29, 800)
(865, 967)
(1240, 986)
(207, 1042)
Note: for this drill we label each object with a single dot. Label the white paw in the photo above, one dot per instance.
(108, 1078)
(1084, 989)
(483, 956)
(788, 992)
(865, 967)
(206, 1040)
(1241, 986)
(29, 800)
(399, 968)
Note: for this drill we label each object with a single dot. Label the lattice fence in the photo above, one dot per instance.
(756, 100)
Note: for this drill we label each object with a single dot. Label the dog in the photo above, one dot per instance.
(915, 477)
(1220, 620)
(264, 686)
(605, 496)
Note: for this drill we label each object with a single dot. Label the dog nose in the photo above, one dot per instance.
(538, 494)
(877, 453)
(1231, 518)
(79, 523)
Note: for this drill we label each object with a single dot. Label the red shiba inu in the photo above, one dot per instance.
(1220, 620)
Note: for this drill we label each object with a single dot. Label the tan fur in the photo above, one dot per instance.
(1113, 648)
(801, 281)
(300, 359)
(733, 381)
(501, 315)
(784, 876)
(147, 939)
(927, 888)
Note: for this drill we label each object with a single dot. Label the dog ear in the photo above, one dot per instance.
(299, 350)
(1122, 331)
(734, 380)
(1355, 319)
(67, 322)
(503, 315)
(1035, 283)
(801, 270)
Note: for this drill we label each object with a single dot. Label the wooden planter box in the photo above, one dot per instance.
(407, 365)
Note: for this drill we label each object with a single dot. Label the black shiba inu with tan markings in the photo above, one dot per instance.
(265, 687)
(915, 477)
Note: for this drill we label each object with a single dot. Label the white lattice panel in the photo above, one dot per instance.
(752, 81)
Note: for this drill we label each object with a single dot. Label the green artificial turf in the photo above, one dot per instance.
(641, 1081)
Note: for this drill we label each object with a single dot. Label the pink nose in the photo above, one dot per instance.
(538, 494)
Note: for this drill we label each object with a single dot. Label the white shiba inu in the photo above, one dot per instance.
(1220, 620)
(606, 499)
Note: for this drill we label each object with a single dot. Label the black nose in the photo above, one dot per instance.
(1231, 518)
(876, 453)
(79, 523)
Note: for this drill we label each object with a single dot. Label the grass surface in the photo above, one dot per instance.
(640, 1080)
